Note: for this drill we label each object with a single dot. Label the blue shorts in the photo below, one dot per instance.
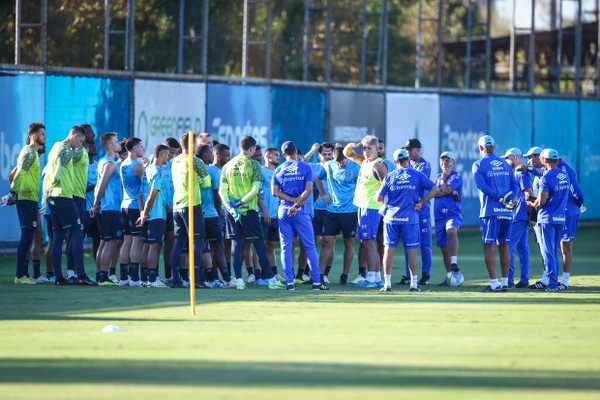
(63, 212)
(130, 217)
(368, 223)
(111, 225)
(570, 228)
(27, 212)
(495, 230)
(409, 233)
(155, 231)
(441, 226)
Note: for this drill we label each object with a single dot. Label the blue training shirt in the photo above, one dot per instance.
(132, 184)
(111, 200)
(209, 210)
(448, 206)
(556, 183)
(167, 178)
(401, 190)
(154, 181)
(291, 177)
(576, 195)
(494, 178)
(92, 179)
(271, 202)
(318, 170)
(524, 182)
(425, 168)
(341, 184)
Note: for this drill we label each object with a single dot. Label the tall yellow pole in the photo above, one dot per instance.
(191, 190)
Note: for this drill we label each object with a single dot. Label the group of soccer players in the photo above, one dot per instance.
(135, 205)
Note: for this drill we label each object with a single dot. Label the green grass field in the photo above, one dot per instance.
(346, 343)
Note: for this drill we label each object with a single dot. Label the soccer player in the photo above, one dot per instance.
(447, 213)
(222, 155)
(496, 183)
(131, 171)
(372, 172)
(551, 204)
(107, 209)
(201, 179)
(211, 208)
(154, 214)
(270, 225)
(239, 190)
(574, 203)
(534, 163)
(174, 151)
(402, 200)
(59, 187)
(519, 230)
(341, 176)
(25, 183)
(420, 164)
(292, 183)
(91, 224)
(381, 152)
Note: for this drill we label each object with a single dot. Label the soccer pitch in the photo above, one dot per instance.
(346, 343)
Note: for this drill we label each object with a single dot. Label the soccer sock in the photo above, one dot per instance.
(274, 269)
(371, 276)
(112, 271)
(212, 274)
(249, 270)
(152, 274)
(453, 259)
(299, 273)
(327, 270)
(124, 268)
(23, 250)
(362, 271)
(134, 271)
(565, 278)
(388, 280)
(494, 283)
(36, 269)
(144, 274)
(184, 274)
(225, 274)
(504, 281)
(414, 280)
(306, 270)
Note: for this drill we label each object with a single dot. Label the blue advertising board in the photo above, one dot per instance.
(511, 122)
(21, 102)
(555, 125)
(463, 119)
(234, 111)
(101, 102)
(589, 157)
(298, 114)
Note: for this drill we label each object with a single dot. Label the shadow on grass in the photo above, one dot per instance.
(275, 374)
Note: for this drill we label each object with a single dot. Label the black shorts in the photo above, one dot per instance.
(180, 220)
(212, 230)
(340, 222)
(170, 226)
(111, 225)
(27, 212)
(155, 231)
(248, 227)
(130, 217)
(63, 212)
(271, 231)
(319, 222)
(91, 228)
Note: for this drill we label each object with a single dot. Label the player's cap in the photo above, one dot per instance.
(513, 151)
(288, 147)
(400, 154)
(448, 154)
(534, 151)
(549, 154)
(486, 141)
(413, 143)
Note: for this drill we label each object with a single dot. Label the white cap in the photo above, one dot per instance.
(513, 151)
(486, 141)
(535, 150)
(448, 154)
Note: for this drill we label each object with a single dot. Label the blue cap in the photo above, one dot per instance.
(549, 154)
(513, 151)
(400, 154)
(486, 141)
(288, 148)
(535, 150)
(448, 154)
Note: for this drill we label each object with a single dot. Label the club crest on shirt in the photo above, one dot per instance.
(496, 163)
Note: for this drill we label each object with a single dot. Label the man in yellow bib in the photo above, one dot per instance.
(372, 172)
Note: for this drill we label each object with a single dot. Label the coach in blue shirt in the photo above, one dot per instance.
(496, 183)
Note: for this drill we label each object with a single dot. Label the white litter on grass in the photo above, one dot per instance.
(111, 329)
